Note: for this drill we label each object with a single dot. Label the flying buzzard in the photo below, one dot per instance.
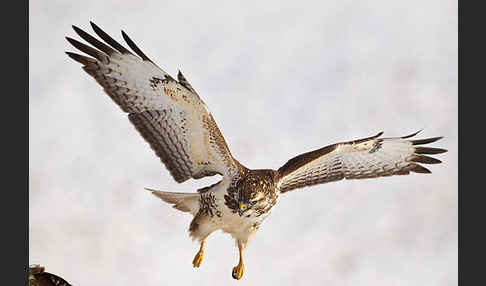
(177, 124)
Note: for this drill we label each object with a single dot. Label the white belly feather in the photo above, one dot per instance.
(240, 227)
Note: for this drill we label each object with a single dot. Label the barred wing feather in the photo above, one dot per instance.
(364, 158)
(168, 113)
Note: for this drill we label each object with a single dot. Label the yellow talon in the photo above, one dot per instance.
(196, 262)
(240, 268)
(238, 271)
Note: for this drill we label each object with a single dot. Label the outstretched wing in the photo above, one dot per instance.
(365, 158)
(168, 113)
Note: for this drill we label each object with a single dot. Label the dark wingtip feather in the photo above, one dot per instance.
(134, 47)
(181, 78)
(109, 39)
(420, 169)
(85, 48)
(425, 159)
(81, 33)
(365, 139)
(76, 29)
(411, 135)
(95, 42)
(429, 150)
(425, 141)
(80, 59)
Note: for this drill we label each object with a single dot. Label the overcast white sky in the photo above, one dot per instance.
(280, 79)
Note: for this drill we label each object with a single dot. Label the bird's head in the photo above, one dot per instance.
(253, 193)
(249, 202)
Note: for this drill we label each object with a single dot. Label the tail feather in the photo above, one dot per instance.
(186, 202)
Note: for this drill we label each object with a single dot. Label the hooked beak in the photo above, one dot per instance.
(241, 208)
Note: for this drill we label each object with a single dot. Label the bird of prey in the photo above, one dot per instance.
(180, 129)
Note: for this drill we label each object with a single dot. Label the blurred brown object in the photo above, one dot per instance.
(37, 277)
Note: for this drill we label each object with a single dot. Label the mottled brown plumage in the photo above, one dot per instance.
(178, 126)
(369, 157)
(256, 189)
(38, 277)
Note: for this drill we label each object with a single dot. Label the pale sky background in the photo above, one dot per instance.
(280, 79)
